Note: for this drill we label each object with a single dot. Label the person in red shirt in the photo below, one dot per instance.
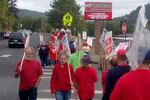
(85, 77)
(62, 78)
(134, 85)
(54, 50)
(111, 63)
(30, 74)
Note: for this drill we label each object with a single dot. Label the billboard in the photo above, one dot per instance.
(98, 11)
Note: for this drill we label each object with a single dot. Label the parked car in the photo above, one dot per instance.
(16, 39)
(6, 35)
(1, 35)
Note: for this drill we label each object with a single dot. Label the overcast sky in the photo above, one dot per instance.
(120, 7)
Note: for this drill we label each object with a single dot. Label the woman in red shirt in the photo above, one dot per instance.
(62, 78)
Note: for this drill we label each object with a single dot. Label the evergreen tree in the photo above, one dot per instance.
(12, 7)
(59, 8)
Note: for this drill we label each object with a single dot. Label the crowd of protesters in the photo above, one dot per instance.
(74, 72)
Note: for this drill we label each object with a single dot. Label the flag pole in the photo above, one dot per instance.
(25, 46)
(22, 61)
(79, 47)
(64, 49)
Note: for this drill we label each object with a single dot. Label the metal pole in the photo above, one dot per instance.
(125, 37)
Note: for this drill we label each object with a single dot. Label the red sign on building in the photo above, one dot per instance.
(98, 11)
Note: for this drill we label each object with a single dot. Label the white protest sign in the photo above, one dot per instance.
(108, 45)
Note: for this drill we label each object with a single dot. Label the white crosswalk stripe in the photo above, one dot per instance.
(47, 91)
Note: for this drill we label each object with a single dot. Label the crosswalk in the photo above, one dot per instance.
(44, 87)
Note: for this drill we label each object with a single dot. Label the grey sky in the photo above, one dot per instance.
(120, 7)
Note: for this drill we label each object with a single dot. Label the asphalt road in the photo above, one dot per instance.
(9, 85)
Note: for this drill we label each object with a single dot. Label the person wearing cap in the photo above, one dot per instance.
(110, 64)
(85, 77)
(134, 85)
(115, 73)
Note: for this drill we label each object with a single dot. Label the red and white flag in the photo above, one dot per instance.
(65, 44)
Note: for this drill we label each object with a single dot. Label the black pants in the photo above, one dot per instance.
(30, 94)
(44, 61)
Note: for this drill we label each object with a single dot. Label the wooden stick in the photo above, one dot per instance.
(22, 61)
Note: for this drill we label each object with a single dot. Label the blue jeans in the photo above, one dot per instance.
(63, 95)
(30, 94)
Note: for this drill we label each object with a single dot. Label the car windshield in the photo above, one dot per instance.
(16, 35)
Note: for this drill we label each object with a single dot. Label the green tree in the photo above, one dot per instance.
(91, 28)
(12, 7)
(7, 21)
(59, 8)
(26, 22)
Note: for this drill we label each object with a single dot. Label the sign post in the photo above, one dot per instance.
(124, 29)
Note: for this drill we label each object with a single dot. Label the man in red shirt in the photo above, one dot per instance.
(85, 77)
(134, 85)
(30, 74)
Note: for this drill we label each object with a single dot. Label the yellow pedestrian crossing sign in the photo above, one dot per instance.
(67, 19)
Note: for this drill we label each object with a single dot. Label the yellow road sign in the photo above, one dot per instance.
(67, 18)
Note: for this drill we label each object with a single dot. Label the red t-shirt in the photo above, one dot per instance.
(60, 78)
(31, 70)
(134, 85)
(104, 78)
(85, 79)
(53, 53)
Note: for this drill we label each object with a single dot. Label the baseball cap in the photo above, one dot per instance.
(121, 52)
(86, 59)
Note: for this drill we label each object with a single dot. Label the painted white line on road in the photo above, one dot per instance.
(48, 91)
(47, 73)
(6, 55)
(55, 99)
(46, 70)
(44, 77)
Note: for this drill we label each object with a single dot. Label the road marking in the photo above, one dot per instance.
(55, 99)
(45, 77)
(47, 73)
(5, 56)
(46, 70)
(48, 91)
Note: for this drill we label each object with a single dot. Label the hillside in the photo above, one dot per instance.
(24, 13)
(131, 18)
